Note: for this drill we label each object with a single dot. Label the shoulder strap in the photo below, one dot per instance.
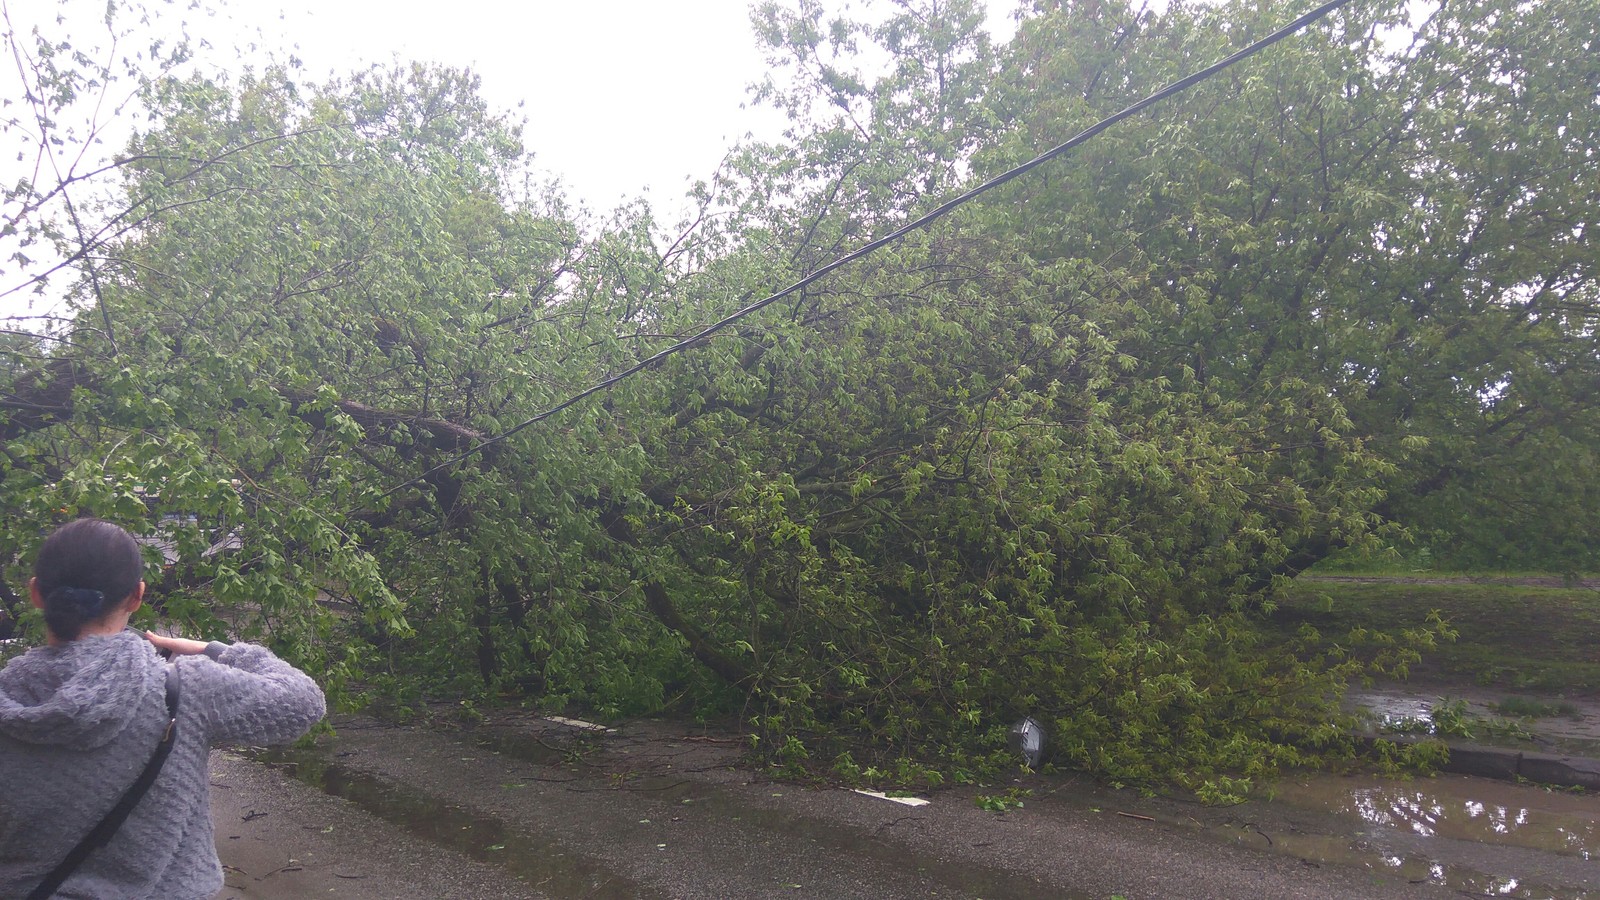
(101, 834)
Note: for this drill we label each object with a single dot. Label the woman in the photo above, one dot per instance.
(81, 718)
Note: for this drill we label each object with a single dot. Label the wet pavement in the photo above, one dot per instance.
(280, 839)
(659, 809)
(1558, 746)
(1573, 725)
(1476, 836)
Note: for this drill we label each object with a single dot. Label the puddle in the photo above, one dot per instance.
(1466, 834)
(1464, 809)
(1409, 711)
(525, 855)
(1396, 711)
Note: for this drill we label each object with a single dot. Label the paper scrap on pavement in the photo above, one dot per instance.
(579, 724)
(908, 801)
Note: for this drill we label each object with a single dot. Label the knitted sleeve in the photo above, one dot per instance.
(249, 696)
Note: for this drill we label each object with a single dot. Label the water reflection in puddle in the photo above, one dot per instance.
(1465, 809)
(1408, 712)
(1477, 837)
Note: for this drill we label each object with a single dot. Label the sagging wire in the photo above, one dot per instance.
(926, 219)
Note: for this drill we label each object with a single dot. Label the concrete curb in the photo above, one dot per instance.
(1569, 771)
(1507, 764)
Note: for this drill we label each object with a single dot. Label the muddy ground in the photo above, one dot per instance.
(518, 806)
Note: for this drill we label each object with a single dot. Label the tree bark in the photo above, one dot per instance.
(47, 399)
(709, 655)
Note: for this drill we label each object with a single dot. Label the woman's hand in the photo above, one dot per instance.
(176, 645)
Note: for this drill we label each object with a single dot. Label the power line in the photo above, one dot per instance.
(927, 219)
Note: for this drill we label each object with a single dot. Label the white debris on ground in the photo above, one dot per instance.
(579, 724)
(907, 801)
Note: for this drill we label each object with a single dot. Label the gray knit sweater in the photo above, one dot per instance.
(79, 721)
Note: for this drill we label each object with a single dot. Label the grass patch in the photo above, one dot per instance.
(1535, 638)
(1527, 708)
(1418, 561)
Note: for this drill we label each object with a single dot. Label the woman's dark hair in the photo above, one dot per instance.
(84, 570)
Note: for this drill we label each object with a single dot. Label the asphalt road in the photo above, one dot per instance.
(523, 808)
(280, 839)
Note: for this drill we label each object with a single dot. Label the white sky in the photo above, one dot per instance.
(622, 97)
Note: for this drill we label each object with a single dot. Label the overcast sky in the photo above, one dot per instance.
(621, 97)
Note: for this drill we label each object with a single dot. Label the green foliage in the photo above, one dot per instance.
(1451, 718)
(1011, 799)
(1528, 708)
(1223, 791)
(1052, 455)
(1510, 635)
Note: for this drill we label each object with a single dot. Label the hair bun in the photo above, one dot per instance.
(85, 601)
(84, 570)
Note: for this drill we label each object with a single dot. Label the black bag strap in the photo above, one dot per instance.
(101, 834)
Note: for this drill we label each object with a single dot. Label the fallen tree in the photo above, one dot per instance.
(1045, 457)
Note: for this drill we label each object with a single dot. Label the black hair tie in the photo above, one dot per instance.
(87, 600)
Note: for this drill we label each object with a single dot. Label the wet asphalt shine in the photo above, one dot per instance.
(520, 806)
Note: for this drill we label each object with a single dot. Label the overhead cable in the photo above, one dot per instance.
(922, 222)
